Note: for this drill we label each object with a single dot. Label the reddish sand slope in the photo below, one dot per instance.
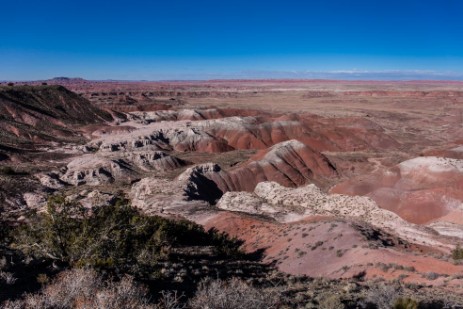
(419, 190)
(329, 247)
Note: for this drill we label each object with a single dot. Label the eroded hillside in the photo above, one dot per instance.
(337, 183)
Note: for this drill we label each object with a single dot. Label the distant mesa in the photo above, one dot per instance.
(66, 78)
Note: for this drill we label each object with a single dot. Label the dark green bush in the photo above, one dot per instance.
(116, 237)
(7, 170)
(457, 253)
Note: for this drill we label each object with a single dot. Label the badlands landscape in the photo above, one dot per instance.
(339, 194)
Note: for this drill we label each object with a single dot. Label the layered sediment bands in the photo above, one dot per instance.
(40, 115)
(289, 163)
(250, 132)
(155, 160)
(295, 204)
(420, 190)
(406, 94)
(323, 134)
(93, 169)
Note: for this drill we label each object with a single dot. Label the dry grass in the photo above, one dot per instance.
(83, 288)
(232, 294)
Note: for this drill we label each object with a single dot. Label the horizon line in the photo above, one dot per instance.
(250, 79)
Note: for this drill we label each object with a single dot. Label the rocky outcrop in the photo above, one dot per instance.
(51, 180)
(295, 204)
(420, 190)
(175, 115)
(289, 163)
(94, 170)
(35, 200)
(249, 132)
(94, 198)
(189, 191)
(197, 186)
(180, 138)
(159, 196)
(154, 161)
(125, 167)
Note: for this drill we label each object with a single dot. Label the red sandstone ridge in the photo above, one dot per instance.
(419, 190)
(323, 134)
(289, 163)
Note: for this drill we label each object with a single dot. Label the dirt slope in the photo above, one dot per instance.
(31, 116)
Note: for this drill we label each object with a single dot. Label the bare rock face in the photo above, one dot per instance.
(288, 163)
(250, 203)
(175, 115)
(167, 130)
(131, 141)
(51, 180)
(158, 196)
(294, 204)
(155, 160)
(90, 199)
(193, 139)
(420, 190)
(187, 195)
(197, 186)
(93, 170)
(447, 229)
(181, 138)
(124, 167)
(35, 200)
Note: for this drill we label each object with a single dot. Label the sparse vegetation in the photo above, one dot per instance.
(114, 237)
(431, 276)
(232, 294)
(84, 288)
(7, 170)
(383, 296)
(405, 303)
(457, 253)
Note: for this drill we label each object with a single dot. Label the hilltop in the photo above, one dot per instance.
(32, 116)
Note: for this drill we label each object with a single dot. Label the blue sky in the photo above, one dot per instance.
(202, 39)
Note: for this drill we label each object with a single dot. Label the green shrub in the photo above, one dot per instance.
(117, 237)
(7, 170)
(457, 253)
